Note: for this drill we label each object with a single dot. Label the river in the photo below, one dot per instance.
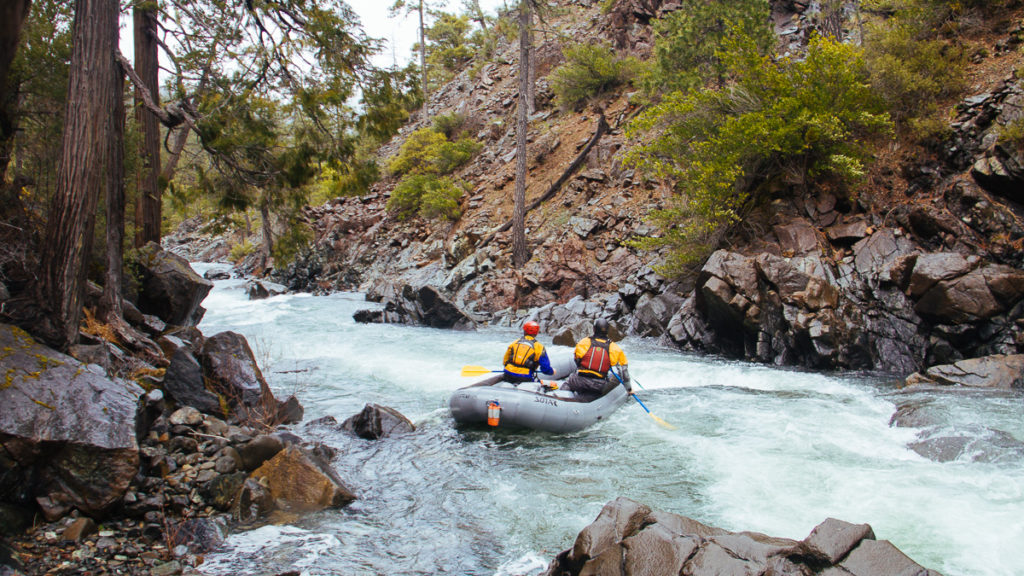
(756, 448)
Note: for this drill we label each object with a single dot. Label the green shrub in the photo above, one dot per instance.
(427, 195)
(913, 73)
(590, 70)
(778, 124)
(687, 41)
(240, 251)
(427, 151)
(1012, 134)
(449, 124)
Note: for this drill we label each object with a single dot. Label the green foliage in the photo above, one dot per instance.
(427, 151)
(425, 161)
(449, 47)
(239, 251)
(687, 41)
(388, 96)
(427, 195)
(590, 71)
(776, 124)
(913, 71)
(1012, 135)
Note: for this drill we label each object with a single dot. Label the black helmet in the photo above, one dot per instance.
(601, 328)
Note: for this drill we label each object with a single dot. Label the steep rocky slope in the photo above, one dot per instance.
(923, 267)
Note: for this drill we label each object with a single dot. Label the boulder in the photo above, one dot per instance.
(184, 383)
(423, 306)
(254, 453)
(299, 480)
(260, 289)
(1002, 372)
(67, 432)
(376, 422)
(169, 288)
(630, 538)
(231, 372)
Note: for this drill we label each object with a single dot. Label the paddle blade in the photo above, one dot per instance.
(476, 370)
(662, 423)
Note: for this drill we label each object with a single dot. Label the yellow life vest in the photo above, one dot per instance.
(523, 357)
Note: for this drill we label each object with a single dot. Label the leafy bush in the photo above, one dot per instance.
(1012, 134)
(240, 251)
(913, 73)
(590, 70)
(777, 124)
(425, 161)
(687, 41)
(427, 151)
(427, 195)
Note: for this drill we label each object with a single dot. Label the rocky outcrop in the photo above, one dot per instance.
(424, 306)
(630, 538)
(169, 288)
(375, 422)
(67, 431)
(1001, 372)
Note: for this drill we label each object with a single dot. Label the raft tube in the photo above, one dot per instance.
(528, 405)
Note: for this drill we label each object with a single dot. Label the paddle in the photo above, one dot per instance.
(477, 371)
(660, 422)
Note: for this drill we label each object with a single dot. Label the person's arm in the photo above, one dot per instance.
(581, 348)
(545, 362)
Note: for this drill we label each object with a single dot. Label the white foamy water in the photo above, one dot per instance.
(756, 448)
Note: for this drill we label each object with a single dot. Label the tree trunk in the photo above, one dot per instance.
(423, 57)
(147, 208)
(531, 66)
(519, 252)
(171, 164)
(110, 303)
(69, 229)
(268, 233)
(12, 16)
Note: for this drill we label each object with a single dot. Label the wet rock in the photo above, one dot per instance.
(200, 535)
(630, 538)
(221, 491)
(262, 448)
(299, 480)
(375, 422)
(1003, 372)
(63, 452)
(231, 371)
(184, 382)
(260, 289)
(169, 288)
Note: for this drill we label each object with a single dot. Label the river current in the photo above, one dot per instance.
(756, 448)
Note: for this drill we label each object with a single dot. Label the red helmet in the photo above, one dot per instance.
(531, 328)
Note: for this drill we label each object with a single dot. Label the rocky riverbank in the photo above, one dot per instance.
(921, 267)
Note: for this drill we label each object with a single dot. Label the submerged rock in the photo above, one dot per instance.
(376, 422)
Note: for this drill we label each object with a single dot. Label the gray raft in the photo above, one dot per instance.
(528, 405)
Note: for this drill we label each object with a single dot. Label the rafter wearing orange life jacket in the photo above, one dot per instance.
(596, 356)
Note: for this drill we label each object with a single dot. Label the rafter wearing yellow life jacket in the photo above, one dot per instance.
(525, 355)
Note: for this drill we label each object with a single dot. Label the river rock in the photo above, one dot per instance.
(630, 538)
(67, 432)
(299, 480)
(375, 422)
(169, 287)
(1003, 372)
(423, 305)
(230, 371)
(254, 453)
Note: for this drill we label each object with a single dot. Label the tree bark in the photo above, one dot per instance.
(423, 57)
(171, 164)
(531, 61)
(268, 232)
(520, 253)
(110, 303)
(148, 205)
(69, 231)
(12, 17)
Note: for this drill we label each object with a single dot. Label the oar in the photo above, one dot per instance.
(660, 422)
(477, 371)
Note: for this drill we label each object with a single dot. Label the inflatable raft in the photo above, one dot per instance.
(528, 405)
